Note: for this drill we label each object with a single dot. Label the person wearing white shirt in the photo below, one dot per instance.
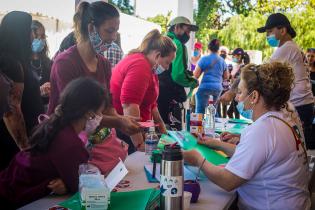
(268, 167)
(280, 34)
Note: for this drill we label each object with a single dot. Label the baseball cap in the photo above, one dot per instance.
(183, 20)
(277, 19)
(238, 51)
(198, 45)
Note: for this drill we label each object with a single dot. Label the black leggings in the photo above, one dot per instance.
(306, 113)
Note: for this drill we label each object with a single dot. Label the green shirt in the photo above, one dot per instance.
(180, 74)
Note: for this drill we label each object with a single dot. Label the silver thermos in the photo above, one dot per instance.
(172, 181)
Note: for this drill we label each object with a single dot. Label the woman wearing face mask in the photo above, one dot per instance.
(240, 58)
(196, 55)
(31, 172)
(268, 168)
(40, 62)
(214, 69)
(25, 101)
(134, 84)
(96, 26)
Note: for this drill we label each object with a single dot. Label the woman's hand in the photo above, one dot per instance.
(45, 89)
(230, 138)
(57, 186)
(208, 141)
(192, 157)
(129, 125)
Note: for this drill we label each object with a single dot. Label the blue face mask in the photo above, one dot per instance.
(38, 45)
(159, 70)
(196, 53)
(272, 41)
(248, 114)
(235, 60)
(97, 42)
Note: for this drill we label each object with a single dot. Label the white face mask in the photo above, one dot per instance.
(92, 124)
(159, 70)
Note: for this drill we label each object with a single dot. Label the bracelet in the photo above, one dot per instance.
(203, 162)
(200, 167)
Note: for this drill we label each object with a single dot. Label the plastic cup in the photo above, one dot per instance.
(193, 187)
(187, 198)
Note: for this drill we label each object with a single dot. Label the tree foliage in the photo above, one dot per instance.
(123, 5)
(161, 20)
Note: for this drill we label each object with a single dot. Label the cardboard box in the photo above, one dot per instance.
(196, 117)
(196, 129)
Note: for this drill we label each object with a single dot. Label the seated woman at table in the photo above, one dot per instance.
(268, 168)
(134, 84)
(51, 163)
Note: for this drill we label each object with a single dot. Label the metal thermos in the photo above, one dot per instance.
(172, 181)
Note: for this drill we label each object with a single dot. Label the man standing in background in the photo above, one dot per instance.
(173, 82)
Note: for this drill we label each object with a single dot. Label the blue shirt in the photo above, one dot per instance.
(213, 67)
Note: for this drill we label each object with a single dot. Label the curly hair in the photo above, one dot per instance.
(273, 81)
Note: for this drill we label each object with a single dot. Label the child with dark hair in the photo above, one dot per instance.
(37, 171)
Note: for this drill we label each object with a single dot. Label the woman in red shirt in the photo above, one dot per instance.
(134, 83)
(96, 27)
(52, 162)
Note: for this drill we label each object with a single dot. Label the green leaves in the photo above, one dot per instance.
(240, 30)
(161, 20)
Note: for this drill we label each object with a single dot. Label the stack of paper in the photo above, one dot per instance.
(147, 199)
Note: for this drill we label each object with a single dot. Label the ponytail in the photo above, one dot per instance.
(46, 131)
(95, 13)
(80, 96)
(154, 40)
(246, 58)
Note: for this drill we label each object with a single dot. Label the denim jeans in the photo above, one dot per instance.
(202, 97)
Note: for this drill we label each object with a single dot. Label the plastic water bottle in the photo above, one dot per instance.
(151, 141)
(188, 120)
(209, 118)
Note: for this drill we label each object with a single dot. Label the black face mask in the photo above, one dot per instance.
(223, 56)
(183, 38)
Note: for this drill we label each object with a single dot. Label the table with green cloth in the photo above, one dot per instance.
(211, 197)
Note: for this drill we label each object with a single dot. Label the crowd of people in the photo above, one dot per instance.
(92, 97)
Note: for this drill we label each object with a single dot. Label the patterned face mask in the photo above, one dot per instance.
(97, 42)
